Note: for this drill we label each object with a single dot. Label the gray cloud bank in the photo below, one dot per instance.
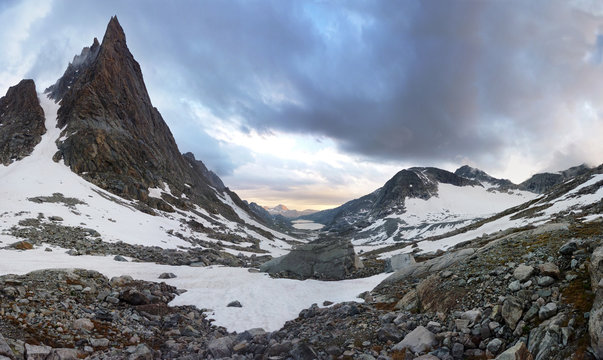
(410, 81)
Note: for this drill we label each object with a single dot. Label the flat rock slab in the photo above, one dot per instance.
(418, 341)
(432, 265)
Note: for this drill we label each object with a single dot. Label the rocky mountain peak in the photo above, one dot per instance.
(114, 137)
(469, 172)
(114, 33)
(21, 122)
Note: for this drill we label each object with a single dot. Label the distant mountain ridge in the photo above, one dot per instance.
(419, 202)
(541, 182)
(286, 212)
(476, 174)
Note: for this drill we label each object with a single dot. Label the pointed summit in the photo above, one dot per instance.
(114, 137)
(114, 31)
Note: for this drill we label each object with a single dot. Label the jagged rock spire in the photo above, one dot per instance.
(115, 138)
(21, 122)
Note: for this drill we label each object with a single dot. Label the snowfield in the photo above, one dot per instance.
(267, 303)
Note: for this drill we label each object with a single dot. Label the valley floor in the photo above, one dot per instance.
(528, 290)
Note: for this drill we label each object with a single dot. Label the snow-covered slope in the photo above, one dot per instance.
(418, 203)
(577, 199)
(115, 219)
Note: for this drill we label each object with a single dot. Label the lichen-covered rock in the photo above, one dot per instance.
(512, 310)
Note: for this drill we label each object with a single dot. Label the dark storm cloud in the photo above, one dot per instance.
(422, 81)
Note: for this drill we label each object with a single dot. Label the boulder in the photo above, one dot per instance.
(63, 354)
(221, 347)
(432, 265)
(523, 272)
(547, 311)
(568, 248)
(167, 275)
(83, 324)
(36, 352)
(328, 259)
(419, 340)
(235, 303)
(595, 322)
(518, 351)
(398, 262)
(549, 269)
(512, 310)
(5, 349)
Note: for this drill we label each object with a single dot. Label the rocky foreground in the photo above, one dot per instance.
(525, 295)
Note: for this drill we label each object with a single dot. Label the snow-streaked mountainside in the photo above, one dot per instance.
(288, 213)
(116, 219)
(579, 198)
(108, 163)
(418, 203)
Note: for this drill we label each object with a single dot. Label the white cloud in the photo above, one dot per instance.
(15, 25)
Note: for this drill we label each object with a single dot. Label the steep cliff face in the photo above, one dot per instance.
(21, 122)
(542, 182)
(481, 176)
(114, 137)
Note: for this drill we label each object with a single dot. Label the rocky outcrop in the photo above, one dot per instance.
(429, 266)
(331, 259)
(541, 183)
(21, 122)
(469, 172)
(595, 323)
(399, 262)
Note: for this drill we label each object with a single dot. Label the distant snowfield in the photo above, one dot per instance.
(267, 303)
(117, 219)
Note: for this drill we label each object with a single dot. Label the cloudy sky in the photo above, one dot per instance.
(313, 103)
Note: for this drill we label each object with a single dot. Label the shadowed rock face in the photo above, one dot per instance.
(115, 138)
(327, 259)
(21, 122)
